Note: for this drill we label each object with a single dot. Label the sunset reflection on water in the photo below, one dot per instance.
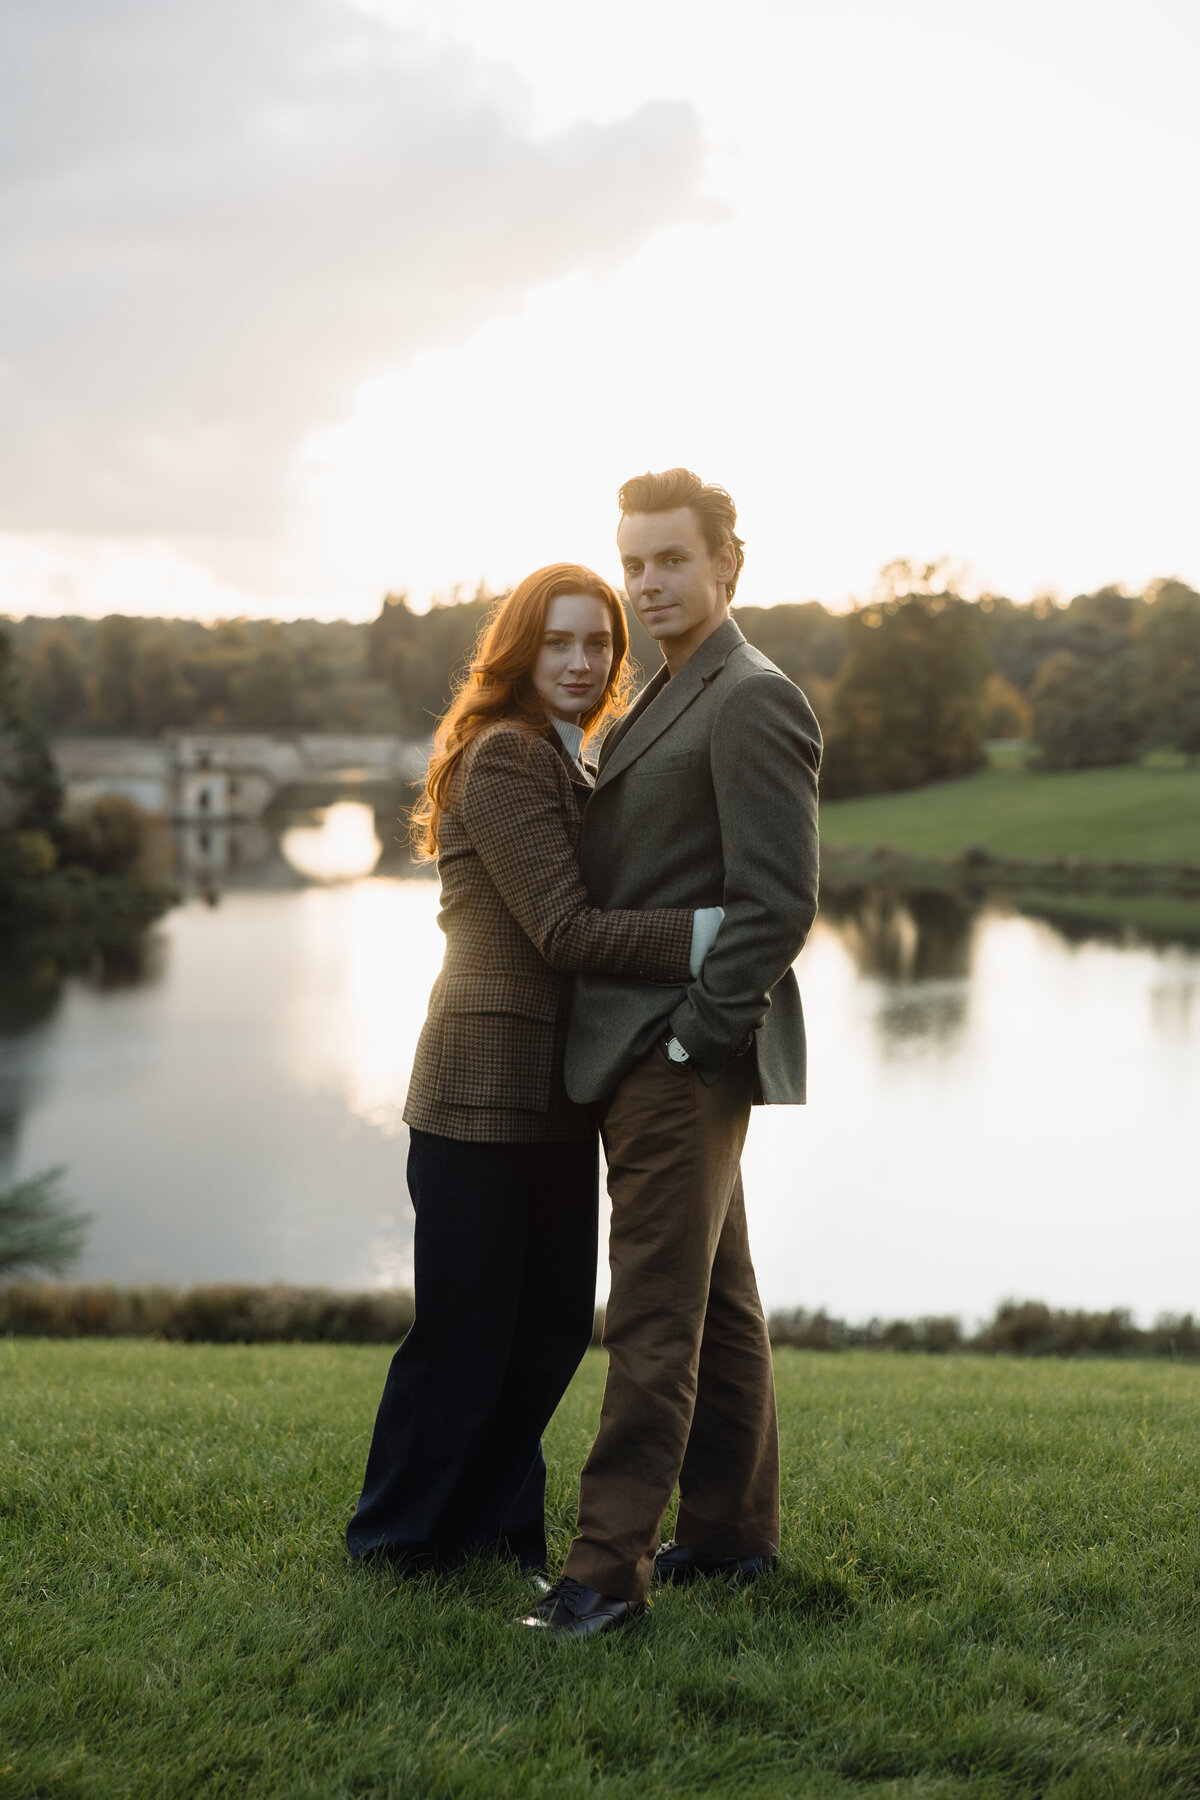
(339, 845)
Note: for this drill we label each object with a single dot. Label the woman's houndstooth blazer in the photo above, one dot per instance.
(518, 925)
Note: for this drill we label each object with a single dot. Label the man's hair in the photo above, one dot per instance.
(679, 487)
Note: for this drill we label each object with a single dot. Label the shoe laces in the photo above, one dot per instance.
(573, 1593)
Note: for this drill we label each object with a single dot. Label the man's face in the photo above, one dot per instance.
(675, 583)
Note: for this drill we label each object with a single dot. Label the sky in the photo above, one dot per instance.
(302, 301)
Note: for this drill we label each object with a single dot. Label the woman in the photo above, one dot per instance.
(502, 1164)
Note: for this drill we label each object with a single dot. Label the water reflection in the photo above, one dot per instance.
(241, 1118)
(1173, 1006)
(340, 844)
(33, 975)
(917, 946)
(318, 833)
(902, 934)
(989, 1105)
(211, 856)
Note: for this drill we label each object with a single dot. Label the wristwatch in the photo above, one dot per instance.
(676, 1051)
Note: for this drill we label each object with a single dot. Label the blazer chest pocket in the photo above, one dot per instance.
(678, 762)
(497, 1043)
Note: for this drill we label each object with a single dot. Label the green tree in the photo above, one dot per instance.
(394, 655)
(161, 696)
(1020, 638)
(1088, 710)
(801, 637)
(263, 695)
(54, 683)
(109, 836)
(1169, 641)
(30, 790)
(37, 1229)
(210, 668)
(907, 707)
(114, 700)
(390, 635)
(1099, 623)
(1005, 710)
(420, 654)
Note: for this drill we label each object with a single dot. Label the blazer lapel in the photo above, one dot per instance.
(664, 700)
(652, 689)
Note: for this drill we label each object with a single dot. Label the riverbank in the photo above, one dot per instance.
(1147, 813)
(985, 1590)
(1094, 851)
(1168, 892)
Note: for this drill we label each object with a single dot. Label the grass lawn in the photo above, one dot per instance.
(988, 1588)
(1142, 813)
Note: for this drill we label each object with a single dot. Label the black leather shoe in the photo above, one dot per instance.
(676, 1563)
(575, 1611)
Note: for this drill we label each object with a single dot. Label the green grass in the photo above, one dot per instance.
(1142, 813)
(988, 1589)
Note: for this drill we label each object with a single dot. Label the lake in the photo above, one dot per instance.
(998, 1106)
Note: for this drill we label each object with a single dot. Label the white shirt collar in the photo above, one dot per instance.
(572, 737)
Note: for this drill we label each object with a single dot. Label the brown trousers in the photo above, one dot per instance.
(690, 1395)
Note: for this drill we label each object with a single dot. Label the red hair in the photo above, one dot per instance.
(499, 682)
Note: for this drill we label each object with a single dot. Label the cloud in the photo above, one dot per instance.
(217, 221)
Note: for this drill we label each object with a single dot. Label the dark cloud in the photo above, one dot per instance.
(216, 220)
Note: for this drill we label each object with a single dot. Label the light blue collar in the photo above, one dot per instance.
(572, 737)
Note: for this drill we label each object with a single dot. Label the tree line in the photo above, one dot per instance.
(908, 688)
(75, 870)
(140, 677)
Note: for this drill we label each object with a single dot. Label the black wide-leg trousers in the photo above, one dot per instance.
(504, 1271)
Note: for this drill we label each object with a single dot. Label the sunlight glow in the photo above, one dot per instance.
(921, 300)
(371, 951)
(343, 847)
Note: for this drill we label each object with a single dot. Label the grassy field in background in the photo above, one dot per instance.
(988, 1589)
(1143, 813)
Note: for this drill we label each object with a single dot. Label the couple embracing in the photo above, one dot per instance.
(619, 948)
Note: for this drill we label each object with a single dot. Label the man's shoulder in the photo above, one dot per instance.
(747, 668)
(753, 684)
(746, 660)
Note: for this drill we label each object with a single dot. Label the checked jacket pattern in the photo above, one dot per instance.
(518, 926)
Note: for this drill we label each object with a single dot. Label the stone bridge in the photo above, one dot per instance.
(197, 777)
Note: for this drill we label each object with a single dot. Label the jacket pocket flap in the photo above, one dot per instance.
(670, 764)
(499, 993)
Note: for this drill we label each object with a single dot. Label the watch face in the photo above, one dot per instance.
(676, 1051)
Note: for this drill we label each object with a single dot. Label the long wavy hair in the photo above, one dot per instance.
(498, 683)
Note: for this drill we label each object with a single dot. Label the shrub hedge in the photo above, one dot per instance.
(1018, 1328)
(229, 1313)
(223, 1314)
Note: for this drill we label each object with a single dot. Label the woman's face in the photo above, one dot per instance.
(576, 655)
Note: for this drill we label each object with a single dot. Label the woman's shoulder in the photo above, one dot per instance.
(509, 743)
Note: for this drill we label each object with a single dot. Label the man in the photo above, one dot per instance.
(706, 795)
